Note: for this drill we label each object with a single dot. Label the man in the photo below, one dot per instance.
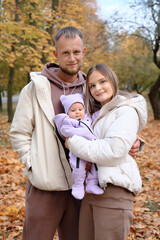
(49, 203)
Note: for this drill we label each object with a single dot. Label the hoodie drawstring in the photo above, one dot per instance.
(64, 91)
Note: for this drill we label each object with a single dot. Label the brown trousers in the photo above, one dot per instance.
(107, 216)
(47, 211)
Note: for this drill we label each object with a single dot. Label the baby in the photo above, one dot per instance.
(76, 122)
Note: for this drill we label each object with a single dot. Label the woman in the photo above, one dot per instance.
(119, 120)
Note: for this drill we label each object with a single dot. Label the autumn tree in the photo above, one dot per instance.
(150, 31)
(83, 15)
(11, 66)
(22, 39)
(132, 61)
(146, 19)
(26, 28)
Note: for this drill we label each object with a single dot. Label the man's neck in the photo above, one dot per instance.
(66, 77)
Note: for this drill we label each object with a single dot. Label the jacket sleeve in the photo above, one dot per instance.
(68, 127)
(22, 126)
(110, 150)
(69, 131)
(142, 144)
(59, 120)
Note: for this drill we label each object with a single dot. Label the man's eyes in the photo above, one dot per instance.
(75, 52)
(65, 53)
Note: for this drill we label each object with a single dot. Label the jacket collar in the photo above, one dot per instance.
(43, 94)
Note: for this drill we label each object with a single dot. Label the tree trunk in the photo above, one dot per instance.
(154, 97)
(10, 92)
(11, 72)
(0, 101)
(28, 77)
(55, 4)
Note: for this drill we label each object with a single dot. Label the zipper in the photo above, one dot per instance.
(86, 126)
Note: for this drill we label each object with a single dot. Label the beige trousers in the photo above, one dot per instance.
(101, 222)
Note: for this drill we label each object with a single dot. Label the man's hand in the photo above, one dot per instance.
(66, 142)
(135, 148)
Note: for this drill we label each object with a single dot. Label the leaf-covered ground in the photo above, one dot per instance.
(146, 207)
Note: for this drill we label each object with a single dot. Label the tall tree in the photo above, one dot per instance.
(12, 69)
(154, 94)
(25, 45)
(132, 61)
(83, 14)
(23, 37)
(150, 31)
(146, 20)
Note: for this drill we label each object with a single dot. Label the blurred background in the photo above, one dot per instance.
(122, 34)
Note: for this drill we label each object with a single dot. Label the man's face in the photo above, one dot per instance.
(70, 52)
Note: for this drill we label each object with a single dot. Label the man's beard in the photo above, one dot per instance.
(71, 73)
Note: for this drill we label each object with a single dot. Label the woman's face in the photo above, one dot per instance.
(100, 88)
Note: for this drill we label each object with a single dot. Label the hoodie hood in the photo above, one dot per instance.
(50, 71)
(135, 101)
(59, 87)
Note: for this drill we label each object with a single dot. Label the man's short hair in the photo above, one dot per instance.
(68, 32)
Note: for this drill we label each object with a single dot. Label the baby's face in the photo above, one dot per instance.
(76, 111)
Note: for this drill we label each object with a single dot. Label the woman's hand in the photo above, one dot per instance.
(135, 148)
(66, 142)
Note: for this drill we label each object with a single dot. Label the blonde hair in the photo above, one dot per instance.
(91, 104)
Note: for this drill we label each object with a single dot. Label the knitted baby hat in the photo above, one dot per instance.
(68, 100)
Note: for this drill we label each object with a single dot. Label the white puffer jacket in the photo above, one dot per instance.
(116, 128)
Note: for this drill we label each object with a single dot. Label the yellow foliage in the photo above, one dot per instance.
(11, 211)
(82, 14)
(28, 40)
